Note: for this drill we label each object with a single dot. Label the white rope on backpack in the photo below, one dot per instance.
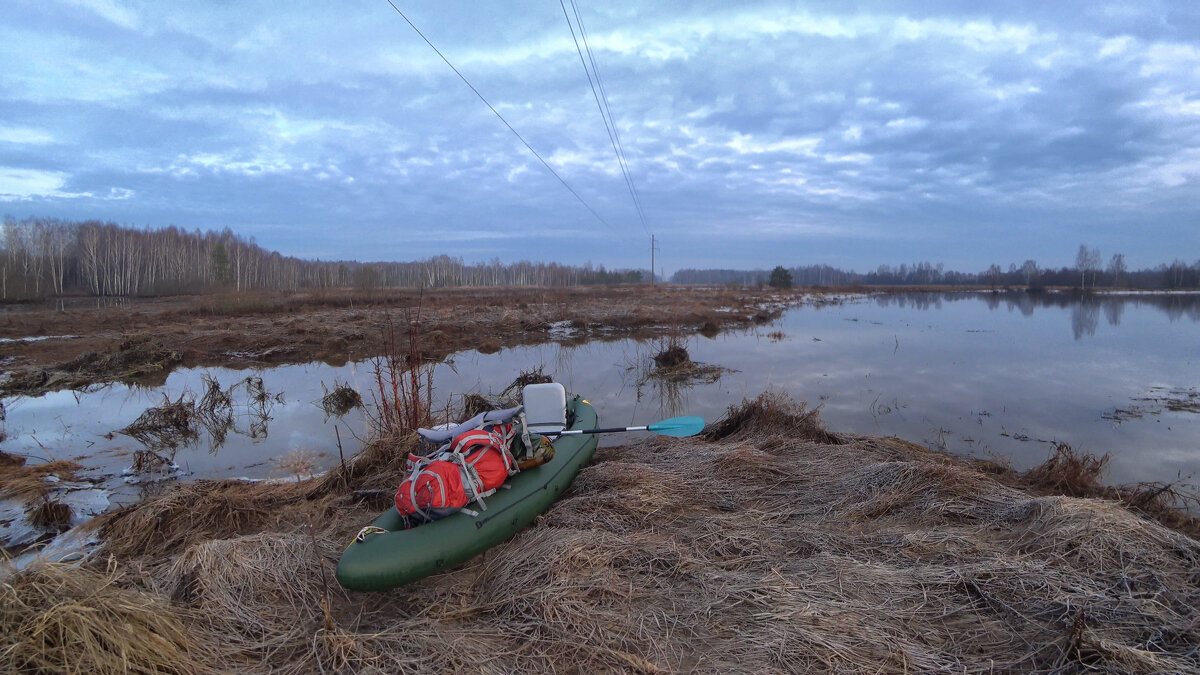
(525, 434)
(472, 483)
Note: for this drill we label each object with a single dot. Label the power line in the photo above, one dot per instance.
(497, 113)
(637, 199)
(610, 124)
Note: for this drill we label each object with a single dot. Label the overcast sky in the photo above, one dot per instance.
(757, 134)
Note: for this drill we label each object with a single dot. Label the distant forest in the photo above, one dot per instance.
(1089, 272)
(45, 257)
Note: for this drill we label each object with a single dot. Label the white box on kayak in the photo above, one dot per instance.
(545, 407)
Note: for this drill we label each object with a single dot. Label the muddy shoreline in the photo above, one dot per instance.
(144, 339)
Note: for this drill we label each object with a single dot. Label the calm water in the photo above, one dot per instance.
(978, 374)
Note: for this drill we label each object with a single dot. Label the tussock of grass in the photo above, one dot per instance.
(7, 459)
(673, 355)
(770, 412)
(524, 379)
(473, 404)
(51, 515)
(1077, 474)
(166, 426)
(1068, 472)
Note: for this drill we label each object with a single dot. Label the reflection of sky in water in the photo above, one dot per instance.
(973, 373)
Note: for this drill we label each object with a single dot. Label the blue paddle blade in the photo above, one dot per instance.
(678, 427)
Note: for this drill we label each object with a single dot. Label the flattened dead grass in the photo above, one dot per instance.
(27, 482)
(68, 619)
(200, 511)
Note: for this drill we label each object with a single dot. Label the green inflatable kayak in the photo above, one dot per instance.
(398, 556)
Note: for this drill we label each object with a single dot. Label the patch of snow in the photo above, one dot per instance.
(38, 338)
(562, 329)
(132, 477)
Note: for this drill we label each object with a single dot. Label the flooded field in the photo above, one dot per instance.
(989, 375)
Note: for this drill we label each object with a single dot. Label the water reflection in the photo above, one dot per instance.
(1085, 316)
(1084, 310)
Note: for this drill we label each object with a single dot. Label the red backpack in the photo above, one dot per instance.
(487, 452)
(475, 465)
(432, 491)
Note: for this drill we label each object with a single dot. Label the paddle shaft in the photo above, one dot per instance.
(613, 430)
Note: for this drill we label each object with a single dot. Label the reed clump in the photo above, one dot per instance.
(169, 425)
(340, 400)
(770, 413)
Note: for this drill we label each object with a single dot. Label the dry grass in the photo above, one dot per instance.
(27, 482)
(199, 511)
(1077, 474)
(51, 515)
(67, 619)
(264, 592)
(772, 545)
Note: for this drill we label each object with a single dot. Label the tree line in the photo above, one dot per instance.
(1090, 271)
(47, 257)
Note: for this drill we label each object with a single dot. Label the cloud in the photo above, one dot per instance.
(110, 10)
(25, 135)
(18, 185)
(951, 124)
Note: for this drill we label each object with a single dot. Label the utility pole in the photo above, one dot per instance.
(653, 247)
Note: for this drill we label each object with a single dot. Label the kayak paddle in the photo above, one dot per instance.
(679, 427)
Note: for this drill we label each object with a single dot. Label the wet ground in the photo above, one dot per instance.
(45, 348)
(983, 375)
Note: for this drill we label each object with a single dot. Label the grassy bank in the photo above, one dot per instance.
(768, 545)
